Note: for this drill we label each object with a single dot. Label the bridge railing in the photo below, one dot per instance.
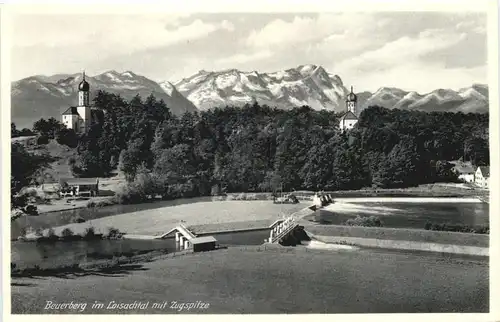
(282, 229)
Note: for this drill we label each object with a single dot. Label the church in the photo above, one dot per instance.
(350, 118)
(80, 118)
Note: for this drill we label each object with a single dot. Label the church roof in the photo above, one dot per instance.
(348, 116)
(84, 85)
(485, 171)
(72, 110)
(351, 97)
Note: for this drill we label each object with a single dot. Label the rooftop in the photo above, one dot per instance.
(202, 240)
(485, 170)
(23, 138)
(72, 110)
(71, 181)
(463, 167)
(348, 116)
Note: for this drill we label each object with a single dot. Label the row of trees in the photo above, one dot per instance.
(25, 169)
(257, 148)
(47, 130)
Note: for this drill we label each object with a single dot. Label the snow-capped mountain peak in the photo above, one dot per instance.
(469, 99)
(303, 85)
(47, 96)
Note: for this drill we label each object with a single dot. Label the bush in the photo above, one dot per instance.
(104, 203)
(89, 233)
(372, 221)
(114, 233)
(51, 235)
(218, 198)
(42, 140)
(456, 228)
(66, 233)
(31, 210)
(78, 219)
(67, 137)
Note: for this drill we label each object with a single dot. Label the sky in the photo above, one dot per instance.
(415, 51)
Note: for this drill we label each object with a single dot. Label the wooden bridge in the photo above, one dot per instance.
(283, 227)
(183, 236)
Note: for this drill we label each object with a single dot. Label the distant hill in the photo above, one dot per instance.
(472, 99)
(48, 96)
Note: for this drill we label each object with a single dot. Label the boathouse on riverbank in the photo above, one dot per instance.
(203, 244)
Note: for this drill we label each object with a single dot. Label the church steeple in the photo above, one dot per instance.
(351, 101)
(83, 92)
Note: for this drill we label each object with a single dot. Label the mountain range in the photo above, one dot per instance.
(47, 96)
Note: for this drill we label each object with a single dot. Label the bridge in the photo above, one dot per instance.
(183, 236)
(281, 228)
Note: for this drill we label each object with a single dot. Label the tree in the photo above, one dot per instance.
(67, 137)
(25, 168)
(131, 159)
(13, 130)
(48, 127)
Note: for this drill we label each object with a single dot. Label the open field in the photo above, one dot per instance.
(161, 220)
(255, 280)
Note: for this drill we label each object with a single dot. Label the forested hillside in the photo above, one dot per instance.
(258, 148)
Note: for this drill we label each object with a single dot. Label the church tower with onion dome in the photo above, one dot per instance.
(80, 117)
(350, 117)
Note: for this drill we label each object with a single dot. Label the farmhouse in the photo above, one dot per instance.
(26, 141)
(482, 176)
(464, 170)
(88, 187)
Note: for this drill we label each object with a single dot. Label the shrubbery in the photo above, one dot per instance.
(78, 219)
(67, 137)
(68, 235)
(42, 140)
(114, 233)
(456, 228)
(372, 221)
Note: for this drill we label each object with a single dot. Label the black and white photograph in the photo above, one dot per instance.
(249, 161)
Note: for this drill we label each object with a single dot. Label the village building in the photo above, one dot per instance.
(464, 170)
(80, 118)
(350, 117)
(26, 141)
(482, 177)
(79, 187)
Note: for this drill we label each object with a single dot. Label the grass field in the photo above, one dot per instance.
(419, 235)
(292, 280)
(161, 220)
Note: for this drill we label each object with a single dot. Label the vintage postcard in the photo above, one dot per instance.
(226, 158)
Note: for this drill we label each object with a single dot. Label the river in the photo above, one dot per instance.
(407, 215)
(403, 215)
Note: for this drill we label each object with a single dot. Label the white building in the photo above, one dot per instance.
(350, 118)
(81, 117)
(464, 170)
(482, 177)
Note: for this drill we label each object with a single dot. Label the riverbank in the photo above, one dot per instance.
(398, 234)
(437, 190)
(407, 245)
(234, 281)
(231, 214)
